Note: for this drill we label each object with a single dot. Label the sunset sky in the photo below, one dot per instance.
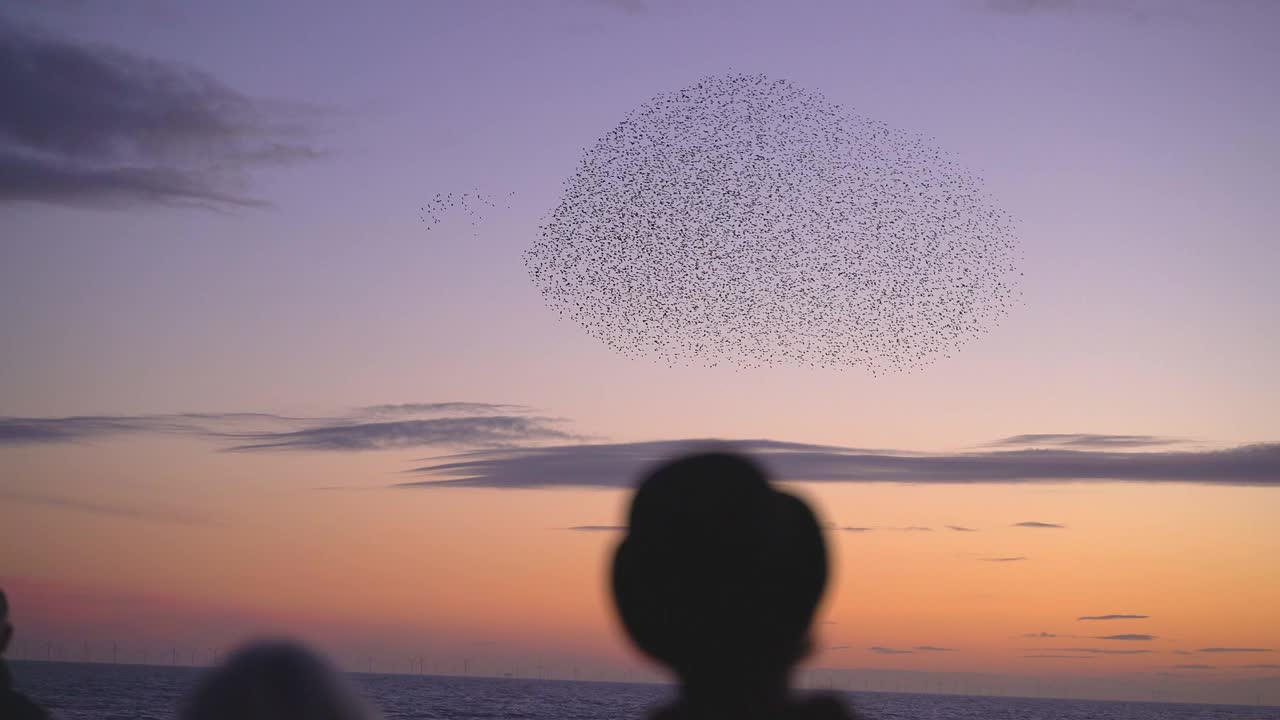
(234, 363)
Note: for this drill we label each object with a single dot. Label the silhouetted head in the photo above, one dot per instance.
(6, 630)
(720, 573)
(276, 680)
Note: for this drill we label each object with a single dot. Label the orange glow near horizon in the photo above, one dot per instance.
(496, 574)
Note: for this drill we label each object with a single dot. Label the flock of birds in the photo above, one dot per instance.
(744, 221)
(472, 204)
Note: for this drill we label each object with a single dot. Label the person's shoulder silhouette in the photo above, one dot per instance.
(718, 579)
(13, 704)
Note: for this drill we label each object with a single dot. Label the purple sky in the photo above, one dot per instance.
(1134, 141)
(1135, 148)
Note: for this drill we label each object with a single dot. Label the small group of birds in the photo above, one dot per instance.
(746, 221)
(472, 205)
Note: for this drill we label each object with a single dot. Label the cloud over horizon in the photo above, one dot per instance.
(1035, 524)
(1102, 651)
(504, 447)
(1128, 637)
(91, 125)
(448, 424)
(880, 650)
(1084, 441)
(1012, 558)
(618, 465)
(1113, 617)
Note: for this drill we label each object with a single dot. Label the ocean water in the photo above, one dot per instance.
(77, 691)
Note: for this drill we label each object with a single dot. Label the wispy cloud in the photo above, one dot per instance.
(487, 430)
(443, 408)
(1193, 666)
(1137, 11)
(960, 528)
(854, 529)
(1234, 650)
(619, 464)
(1103, 651)
(1014, 558)
(87, 124)
(598, 528)
(839, 647)
(1113, 617)
(933, 648)
(912, 528)
(1046, 635)
(452, 424)
(1131, 637)
(1084, 441)
(880, 650)
(1059, 657)
(177, 516)
(1263, 666)
(1043, 525)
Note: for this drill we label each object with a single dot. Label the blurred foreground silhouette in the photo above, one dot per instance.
(13, 705)
(718, 579)
(276, 680)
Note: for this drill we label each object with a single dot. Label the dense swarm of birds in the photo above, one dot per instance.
(745, 221)
(472, 206)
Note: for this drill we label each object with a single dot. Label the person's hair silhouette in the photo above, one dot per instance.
(718, 578)
(275, 680)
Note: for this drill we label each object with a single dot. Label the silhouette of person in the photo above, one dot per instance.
(718, 579)
(275, 680)
(13, 705)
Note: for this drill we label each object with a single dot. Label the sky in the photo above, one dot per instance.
(236, 365)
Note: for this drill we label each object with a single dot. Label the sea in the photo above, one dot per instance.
(84, 691)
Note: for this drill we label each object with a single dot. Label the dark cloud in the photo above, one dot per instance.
(598, 528)
(1102, 651)
(1126, 636)
(1084, 441)
(1014, 558)
(1132, 10)
(839, 647)
(164, 515)
(1034, 524)
(1263, 666)
(1113, 617)
(618, 465)
(857, 529)
(455, 424)
(629, 7)
(1060, 657)
(24, 431)
(86, 124)
(1193, 666)
(1043, 635)
(488, 430)
(960, 528)
(472, 408)
(933, 648)
(1233, 650)
(888, 651)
